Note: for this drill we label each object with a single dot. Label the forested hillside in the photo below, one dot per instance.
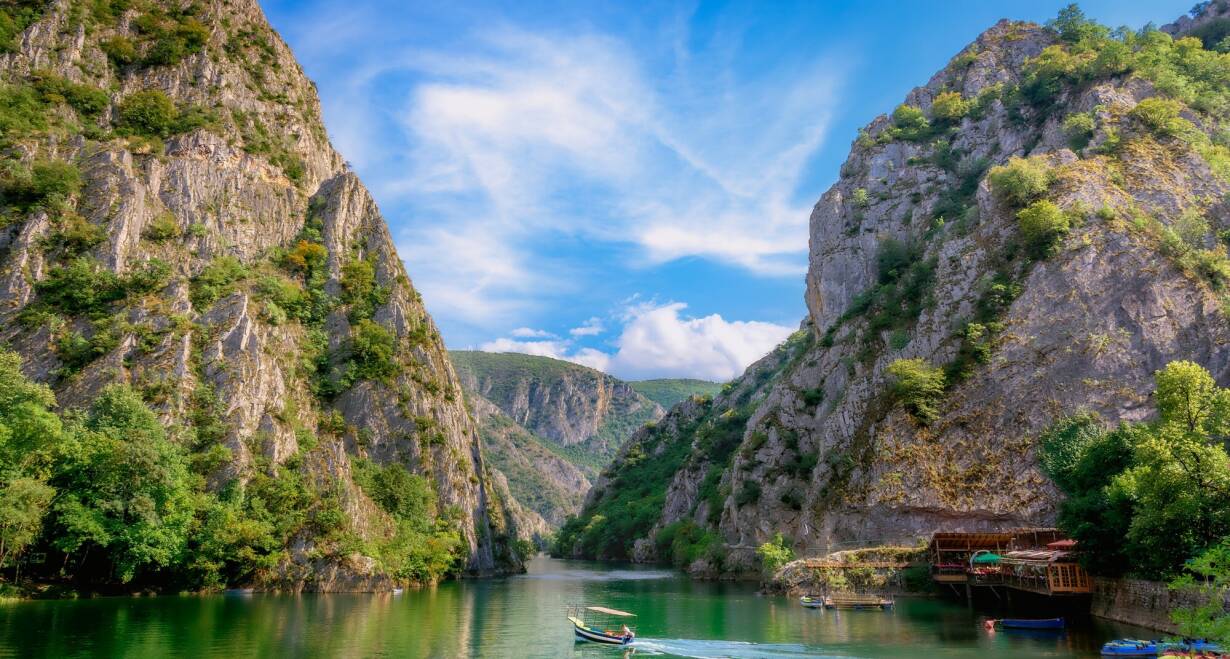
(218, 372)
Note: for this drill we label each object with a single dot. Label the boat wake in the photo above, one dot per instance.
(699, 649)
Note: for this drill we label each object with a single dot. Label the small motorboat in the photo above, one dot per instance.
(812, 602)
(604, 625)
(1030, 623)
(857, 602)
(1130, 647)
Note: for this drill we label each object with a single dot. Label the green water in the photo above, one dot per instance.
(520, 616)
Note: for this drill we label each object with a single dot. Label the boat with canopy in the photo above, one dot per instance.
(600, 624)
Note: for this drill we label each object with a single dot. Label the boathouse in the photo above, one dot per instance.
(1036, 560)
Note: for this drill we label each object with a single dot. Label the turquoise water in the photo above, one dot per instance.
(520, 616)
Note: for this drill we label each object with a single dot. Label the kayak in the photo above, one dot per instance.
(1129, 647)
(1031, 623)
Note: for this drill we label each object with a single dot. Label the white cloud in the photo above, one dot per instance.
(591, 327)
(521, 138)
(531, 333)
(556, 349)
(658, 341)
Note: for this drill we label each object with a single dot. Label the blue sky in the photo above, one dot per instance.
(622, 184)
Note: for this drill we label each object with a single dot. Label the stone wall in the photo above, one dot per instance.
(1139, 602)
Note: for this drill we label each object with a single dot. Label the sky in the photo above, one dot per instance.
(624, 185)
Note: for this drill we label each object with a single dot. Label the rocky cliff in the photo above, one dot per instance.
(176, 218)
(1032, 233)
(586, 412)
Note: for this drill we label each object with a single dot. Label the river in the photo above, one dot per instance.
(521, 616)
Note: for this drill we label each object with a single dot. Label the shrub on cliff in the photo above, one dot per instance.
(149, 112)
(1021, 181)
(918, 386)
(1043, 225)
(949, 107)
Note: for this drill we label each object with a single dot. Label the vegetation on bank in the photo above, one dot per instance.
(109, 495)
(1152, 499)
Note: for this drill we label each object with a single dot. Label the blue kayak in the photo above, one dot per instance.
(1130, 647)
(1030, 623)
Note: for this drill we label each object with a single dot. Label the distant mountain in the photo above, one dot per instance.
(548, 425)
(669, 392)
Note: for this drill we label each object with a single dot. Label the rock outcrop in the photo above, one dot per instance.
(237, 272)
(914, 254)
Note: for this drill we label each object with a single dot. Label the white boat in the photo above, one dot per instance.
(599, 624)
(812, 602)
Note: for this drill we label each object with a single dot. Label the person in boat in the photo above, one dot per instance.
(625, 632)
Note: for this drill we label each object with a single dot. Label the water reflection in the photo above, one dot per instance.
(520, 616)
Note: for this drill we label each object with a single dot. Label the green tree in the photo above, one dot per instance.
(1188, 397)
(1206, 580)
(919, 386)
(1082, 457)
(774, 554)
(30, 432)
(125, 489)
(23, 503)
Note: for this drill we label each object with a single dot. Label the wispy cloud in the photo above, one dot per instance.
(592, 327)
(512, 139)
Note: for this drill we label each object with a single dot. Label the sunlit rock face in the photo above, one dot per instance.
(828, 457)
(252, 182)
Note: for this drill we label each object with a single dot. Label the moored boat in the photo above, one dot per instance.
(812, 602)
(857, 602)
(1030, 623)
(600, 627)
(1130, 647)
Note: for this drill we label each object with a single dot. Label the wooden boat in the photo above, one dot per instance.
(1030, 623)
(812, 602)
(600, 628)
(857, 602)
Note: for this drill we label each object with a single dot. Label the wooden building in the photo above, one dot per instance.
(950, 553)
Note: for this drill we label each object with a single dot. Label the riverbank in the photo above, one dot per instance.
(880, 569)
(903, 570)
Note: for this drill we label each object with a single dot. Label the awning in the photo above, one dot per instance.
(613, 612)
(986, 558)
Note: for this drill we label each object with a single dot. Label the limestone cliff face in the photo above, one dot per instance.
(540, 479)
(565, 403)
(826, 456)
(225, 204)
